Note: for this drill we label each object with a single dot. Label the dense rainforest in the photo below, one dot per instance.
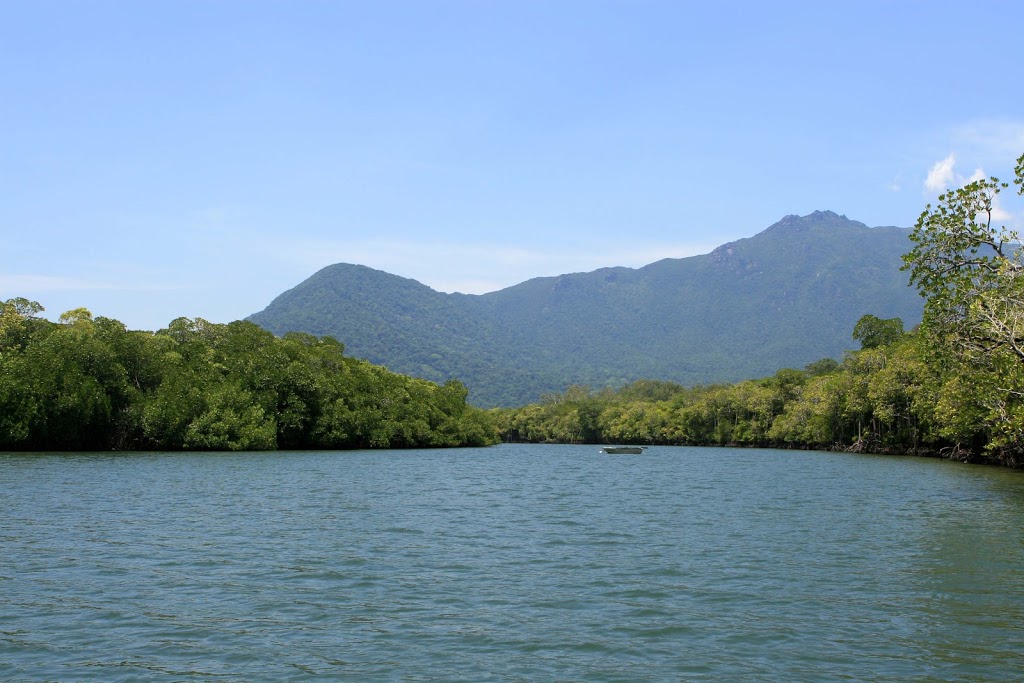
(91, 384)
(954, 386)
(879, 399)
(887, 397)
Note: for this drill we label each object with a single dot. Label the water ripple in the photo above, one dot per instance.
(516, 563)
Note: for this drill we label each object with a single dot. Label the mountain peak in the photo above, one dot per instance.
(783, 298)
(826, 215)
(791, 229)
(817, 219)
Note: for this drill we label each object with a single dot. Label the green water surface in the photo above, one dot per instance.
(512, 563)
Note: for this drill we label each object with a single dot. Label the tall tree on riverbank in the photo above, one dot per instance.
(971, 271)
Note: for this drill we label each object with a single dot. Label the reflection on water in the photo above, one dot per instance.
(509, 563)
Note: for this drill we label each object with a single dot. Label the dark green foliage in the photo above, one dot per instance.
(873, 332)
(87, 384)
(972, 272)
(785, 297)
(822, 367)
(879, 400)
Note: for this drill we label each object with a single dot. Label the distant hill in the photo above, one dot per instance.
(786, 297)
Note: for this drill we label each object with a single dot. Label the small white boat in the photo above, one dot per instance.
(623, 450)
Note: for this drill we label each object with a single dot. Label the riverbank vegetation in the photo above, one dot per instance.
(91, 384)
(875, 399)
(885, 398)
(954, 386)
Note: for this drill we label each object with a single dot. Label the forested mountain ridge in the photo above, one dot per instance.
(783, 298)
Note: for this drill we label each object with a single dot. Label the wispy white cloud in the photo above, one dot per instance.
(31, 284)
(999, 214)
(979, 174)
(47, 283)
(941, 176)
(982, 143)
(992, 141)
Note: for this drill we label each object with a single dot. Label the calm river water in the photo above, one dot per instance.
(512, 563)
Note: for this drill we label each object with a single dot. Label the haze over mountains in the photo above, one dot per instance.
(786, 297)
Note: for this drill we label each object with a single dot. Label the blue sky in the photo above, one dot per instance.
(167, 158)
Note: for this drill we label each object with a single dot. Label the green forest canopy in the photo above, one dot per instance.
(91, 384)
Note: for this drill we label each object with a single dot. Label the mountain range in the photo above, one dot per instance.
(786, 297)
